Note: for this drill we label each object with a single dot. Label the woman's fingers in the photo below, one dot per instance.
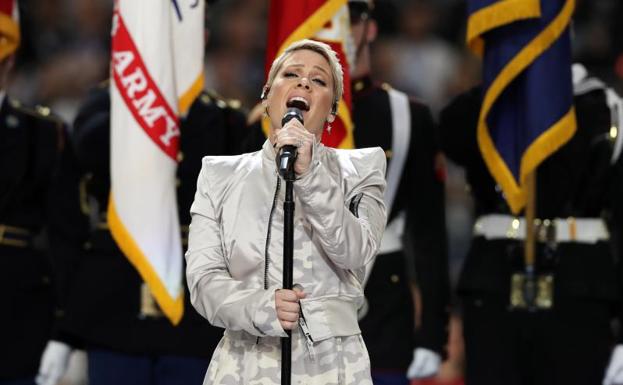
(299, 292)
(286, 295)
(295, 134)
(287, 325)
(287, 316)
(287, 306)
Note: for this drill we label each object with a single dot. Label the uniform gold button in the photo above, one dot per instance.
(235, 104)
(394, 278)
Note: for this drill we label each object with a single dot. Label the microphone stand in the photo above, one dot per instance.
(288, 249)
(285, 165)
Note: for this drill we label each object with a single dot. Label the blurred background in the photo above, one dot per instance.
(421, 50)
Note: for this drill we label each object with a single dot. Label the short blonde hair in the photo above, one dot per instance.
(321, 48)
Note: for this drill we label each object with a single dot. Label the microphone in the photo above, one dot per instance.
(287, 155)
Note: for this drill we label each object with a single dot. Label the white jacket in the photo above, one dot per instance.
(338, 225)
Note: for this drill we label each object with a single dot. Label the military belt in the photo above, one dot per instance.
(571, 229)
(14, 236)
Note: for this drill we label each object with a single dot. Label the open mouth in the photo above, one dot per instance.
(298, 102)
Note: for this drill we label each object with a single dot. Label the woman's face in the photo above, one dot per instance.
(304, 81)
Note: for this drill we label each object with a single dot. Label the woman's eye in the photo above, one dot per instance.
(289, 75)
(321, 82)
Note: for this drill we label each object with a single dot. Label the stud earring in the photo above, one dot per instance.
(329, 128)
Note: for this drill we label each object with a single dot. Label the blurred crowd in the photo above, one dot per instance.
(421, 48)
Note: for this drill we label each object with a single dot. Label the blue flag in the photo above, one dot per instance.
(527, 111)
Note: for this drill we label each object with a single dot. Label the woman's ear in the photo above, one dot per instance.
(265, 91)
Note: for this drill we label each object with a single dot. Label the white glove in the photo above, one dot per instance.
(614, 373)
(425, 364)
(53, 363)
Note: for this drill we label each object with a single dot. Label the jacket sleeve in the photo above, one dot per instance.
(224, 301)
(351, 239)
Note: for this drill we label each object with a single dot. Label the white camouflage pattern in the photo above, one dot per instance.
(246, 360)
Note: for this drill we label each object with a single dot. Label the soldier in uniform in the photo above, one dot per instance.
(111, 311)
(38, 183)
(567, 338)
(412, 261)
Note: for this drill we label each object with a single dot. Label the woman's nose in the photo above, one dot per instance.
(303, 82)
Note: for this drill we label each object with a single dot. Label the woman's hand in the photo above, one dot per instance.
(287, 306)
(294, 133)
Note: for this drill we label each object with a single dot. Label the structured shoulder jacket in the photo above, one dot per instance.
(234, 258)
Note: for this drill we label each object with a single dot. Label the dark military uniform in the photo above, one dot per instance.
(570, 343)
(37, 184)
(111, 310)
(388, 327)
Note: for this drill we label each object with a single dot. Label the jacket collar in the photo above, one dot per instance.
(267, 150)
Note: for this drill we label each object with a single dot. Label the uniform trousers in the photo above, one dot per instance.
(108, 367)
(568, 345)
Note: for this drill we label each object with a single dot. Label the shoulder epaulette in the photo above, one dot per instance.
(38, 111)
(234, 104)
(386, 86)
(43, 113)
(211, 96)
(104, 84)
(205, 98)
(15, 103)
